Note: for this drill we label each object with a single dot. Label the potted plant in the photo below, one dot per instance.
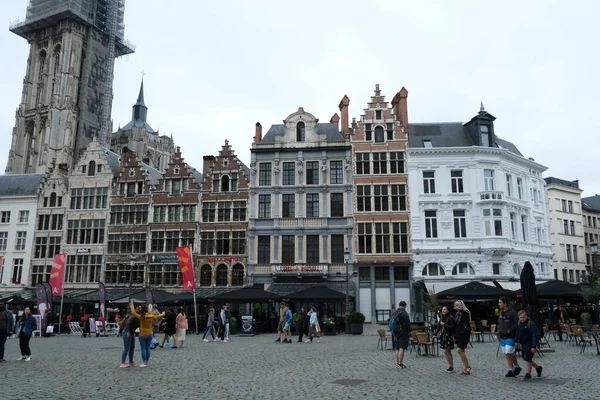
(356, 320)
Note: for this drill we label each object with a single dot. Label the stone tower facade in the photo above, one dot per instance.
(68, 81)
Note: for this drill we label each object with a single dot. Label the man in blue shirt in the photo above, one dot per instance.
(287, 335)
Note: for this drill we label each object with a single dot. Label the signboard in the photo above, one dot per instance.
(163, 258)
(217, 259)
(299, 268)
(83, 251)
(247, 326)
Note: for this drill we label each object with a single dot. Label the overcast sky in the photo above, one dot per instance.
(214, 69)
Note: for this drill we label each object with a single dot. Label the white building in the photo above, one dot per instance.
(477, 206)
(18, 207)
(566, 229)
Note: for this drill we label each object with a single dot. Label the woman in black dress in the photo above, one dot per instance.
(445, 334)
(170, 328)
(462, 333)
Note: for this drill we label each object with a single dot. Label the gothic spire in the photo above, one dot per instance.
(139, 109)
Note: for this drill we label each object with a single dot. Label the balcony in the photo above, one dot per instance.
(491, 196)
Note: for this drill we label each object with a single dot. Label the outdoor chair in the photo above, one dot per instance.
(492, 333)
(476, 332)
(382, 338)
(413, 341)
(423, 342)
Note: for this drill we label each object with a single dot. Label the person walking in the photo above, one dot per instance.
(27, 326)
(506, 327)
(145, 336)
(401, 332)
(210, 325)
(526, 337)
(222, 323)
(445, 334)
(281, 321)
(170, 329)
(182, 326)
(227, 314)
(462, 333)
(129, 324)
(313, 329)
(560, 317)
(302, 324)
(287, 334)
(7, 326)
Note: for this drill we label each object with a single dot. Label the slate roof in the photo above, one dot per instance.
(448, 134)
(114, 161)
(591, 203)
(196, 174)
(550, 180)
(139, 124)
(330, 130)
(20, 184)
(152, 174)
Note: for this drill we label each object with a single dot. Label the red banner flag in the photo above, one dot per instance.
(57, 274)
(184, 255)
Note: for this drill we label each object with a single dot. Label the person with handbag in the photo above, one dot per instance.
(445, 334)
(314, 329)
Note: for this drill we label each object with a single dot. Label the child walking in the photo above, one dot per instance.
(526, 337)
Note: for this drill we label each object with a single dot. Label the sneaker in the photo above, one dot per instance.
(527, 376)
(401, 366)
(124, 365)
(510, 374)
(133, 364)
(278, 340)
(307, 341)
(173, 347)
(205, 340)
(28, 358)
(318, 340)
(450, 370)
(517, 370)
(21, 358)
(539, 371)
(143, 365)
(2, 360)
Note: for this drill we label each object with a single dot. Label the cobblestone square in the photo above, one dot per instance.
(339, 367)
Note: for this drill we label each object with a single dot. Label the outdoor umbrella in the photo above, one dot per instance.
(529, 291)
(317, 293)
(16, 299)
(473, 291)
(555, 290)
(246, 295)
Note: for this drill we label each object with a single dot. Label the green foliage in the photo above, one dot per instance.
(356, 318)
(256, 311)
(294, 318)
(591, 290)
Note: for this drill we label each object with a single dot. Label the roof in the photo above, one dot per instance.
(330, 130)
(139, 124)
(448, 134)
(20, 184)
(114, 161)
(591, 203)
(552, 180)
(152, 174)
(196, 174)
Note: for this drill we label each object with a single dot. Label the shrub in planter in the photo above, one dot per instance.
(356, 320)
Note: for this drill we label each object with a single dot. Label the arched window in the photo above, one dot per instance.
(56, 59)
(463, 269)
(300, 132)
(379, 134)
(222, 275)
(433, 269)
(225, 183)
(237, 275)
(42, 66)
(516, 269)
(53, 199)
(205, 275)
(92, 168)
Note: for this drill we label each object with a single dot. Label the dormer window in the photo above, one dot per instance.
(427, 143)
(379, 134)
(225, 163)
(92, 168)
(300, 132)
(225, 183)
(485, 136)
(176, 170)
(377, 114)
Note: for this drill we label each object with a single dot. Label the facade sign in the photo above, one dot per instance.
(300, 268)
(164, 258)
(216, 259)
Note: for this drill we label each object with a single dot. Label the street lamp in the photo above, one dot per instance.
(347, 262)
(131, 265)
(594, 249)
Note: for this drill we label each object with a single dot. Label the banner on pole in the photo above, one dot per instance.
(41, 300)
(48, 294)
(57, 274)
(184, 255)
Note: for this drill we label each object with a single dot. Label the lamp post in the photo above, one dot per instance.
(347, 262)
(131, 265)
(594, 250)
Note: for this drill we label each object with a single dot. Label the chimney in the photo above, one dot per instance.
(335, 119)
(344, 113)
(258, 133)
(400, 105)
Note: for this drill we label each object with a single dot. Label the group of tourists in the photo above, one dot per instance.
(308, 325)
(22, 327)
(217, 328)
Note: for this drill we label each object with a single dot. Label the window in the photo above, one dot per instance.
(336, 173)
(89, 198)
(488, 176)
(520, 188)
(237, 275)
(570, 206)
(379, 163)
(17, 271)
(47, 247)
(363, 166)
(126, 243)
(337, 204)
(312, 249)
(380, 193)
(264, 206)
(398, 197)
(264, 177)
(564, 274)
(569, 256)
(493, 221)
(460, 224)
(427, 143)
(574, 253)
(433, 269)
(207, 243)
(23, 216)
(564, 205)
(85, 231)
(485, 135)
(205, 275)
(431, 224)
(238, 242)
(300, 132)
(382, 238)
(565, 226)
(91, 171)
(55, 201)
(456, 181)
(264, 249)
(524, 227)
(3, 240)
(363, 198)
(368, 132)
(377, 114)
(40, 274)
(189, 213)
(509, 190)
(390, 131)
(364, 238)
(225, 183)
(312, 172)
(312, 205)
(224, 211)
(379, 137)
(289, 177)
(21, 241)
(382, 273)
(288, 205)
(400, 237)
(396, 162)
(239, 210)
(5, 219)
(364, 274)
(516, 269)
(463, 269)
(513, 226)
(428, 181)
(496, 268)
(221, 275)
(337, 249)
(222, 243)
(578, 275)
(208, 212)
(572, 226)
(216, 183)
(288, 249)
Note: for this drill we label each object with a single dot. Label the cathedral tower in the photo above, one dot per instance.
(67, 89)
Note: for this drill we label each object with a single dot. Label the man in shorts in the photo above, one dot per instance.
(526, 338)
(287, 334)
(401, 333)
(506, 328)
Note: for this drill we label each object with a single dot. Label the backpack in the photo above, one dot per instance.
(396, 325)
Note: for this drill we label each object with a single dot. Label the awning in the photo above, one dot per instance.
(317, 293)
(474, 290)
(434, 287)
(510, 285)
(246, 295)
(285, 289)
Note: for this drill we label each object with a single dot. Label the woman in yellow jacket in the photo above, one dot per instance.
(145, 335)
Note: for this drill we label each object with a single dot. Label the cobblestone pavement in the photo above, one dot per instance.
(72, 367)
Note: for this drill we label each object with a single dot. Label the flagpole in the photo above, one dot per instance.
(62, 294)
(196, 312)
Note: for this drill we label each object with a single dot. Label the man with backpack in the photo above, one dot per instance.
(400, 327)
(526, 337)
